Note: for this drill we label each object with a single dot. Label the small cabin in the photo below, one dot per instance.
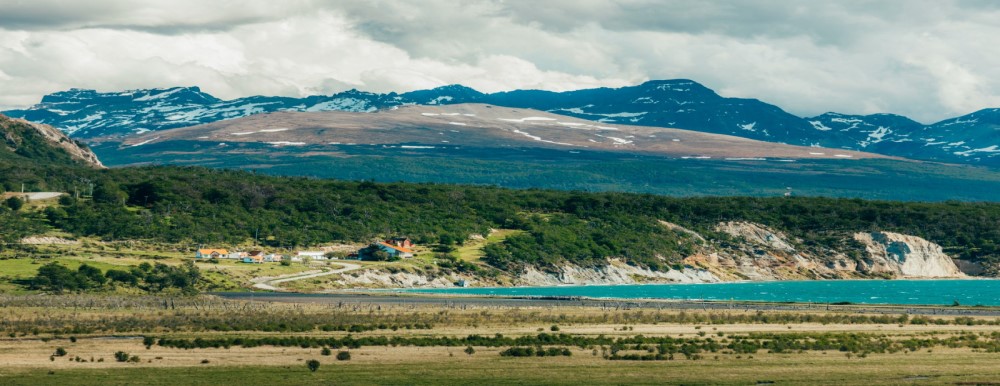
(258, 259)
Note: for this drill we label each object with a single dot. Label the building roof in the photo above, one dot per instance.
(401, 249)
(210, 251)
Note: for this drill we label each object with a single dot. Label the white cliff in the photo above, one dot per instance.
(904, 255)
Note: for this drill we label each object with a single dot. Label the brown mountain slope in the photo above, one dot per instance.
(481, 126)
(42, 144)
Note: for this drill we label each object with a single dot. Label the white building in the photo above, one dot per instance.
(311, 255)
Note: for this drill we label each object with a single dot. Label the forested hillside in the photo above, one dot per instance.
(203, 206)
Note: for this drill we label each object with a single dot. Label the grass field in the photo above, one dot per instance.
(439, 367)
(119, 324)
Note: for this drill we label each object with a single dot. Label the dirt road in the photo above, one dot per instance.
(270, 283)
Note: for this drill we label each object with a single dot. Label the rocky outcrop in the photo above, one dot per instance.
(48, 240)
(383, 279)
(904, 255)
(756, 234)
(616, 272)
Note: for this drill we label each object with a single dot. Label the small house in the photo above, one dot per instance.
(236, 255)
(273, 258)
(258, 259)
(211, 253)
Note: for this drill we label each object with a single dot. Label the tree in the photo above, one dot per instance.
(108, 192)
(54, 277)
(313, 365)
(14, 203)
(343, 356)
(90, 277)
(335, 255)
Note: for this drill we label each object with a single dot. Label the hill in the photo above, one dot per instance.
(479, 126)
(42, 145)
(520, 148)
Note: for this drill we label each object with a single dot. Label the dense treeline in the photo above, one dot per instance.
(219, 207)
(57, 278)
(618, 347)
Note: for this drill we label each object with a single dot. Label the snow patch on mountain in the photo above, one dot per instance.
(343, 104)
(526, 119)
(819, 126)
(990, 149)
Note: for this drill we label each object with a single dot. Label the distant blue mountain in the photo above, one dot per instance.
(681, 103)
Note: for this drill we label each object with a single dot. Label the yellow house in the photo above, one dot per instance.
(210, 253)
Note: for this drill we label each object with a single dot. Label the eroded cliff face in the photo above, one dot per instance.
(905, 256)
(750, 252)
(616, 272)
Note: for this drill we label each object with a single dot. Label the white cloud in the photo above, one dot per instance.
(928, 59)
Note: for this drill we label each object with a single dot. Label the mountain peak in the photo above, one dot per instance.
(444, 95)
(675, 86)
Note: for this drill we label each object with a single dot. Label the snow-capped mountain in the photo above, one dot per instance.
(973, 138)
(685, 104)
(90, 114)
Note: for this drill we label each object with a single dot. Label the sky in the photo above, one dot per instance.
(926, 59)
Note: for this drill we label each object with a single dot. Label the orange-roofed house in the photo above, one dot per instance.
(395, 251)
(211, 253)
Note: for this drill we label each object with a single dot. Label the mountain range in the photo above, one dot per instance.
(971, 139)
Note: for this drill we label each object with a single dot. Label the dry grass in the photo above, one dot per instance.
(26, 359)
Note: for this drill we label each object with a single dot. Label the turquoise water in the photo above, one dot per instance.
(931, 292)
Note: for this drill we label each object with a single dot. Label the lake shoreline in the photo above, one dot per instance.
(380, 298)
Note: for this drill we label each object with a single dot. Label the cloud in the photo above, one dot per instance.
(926, 59)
